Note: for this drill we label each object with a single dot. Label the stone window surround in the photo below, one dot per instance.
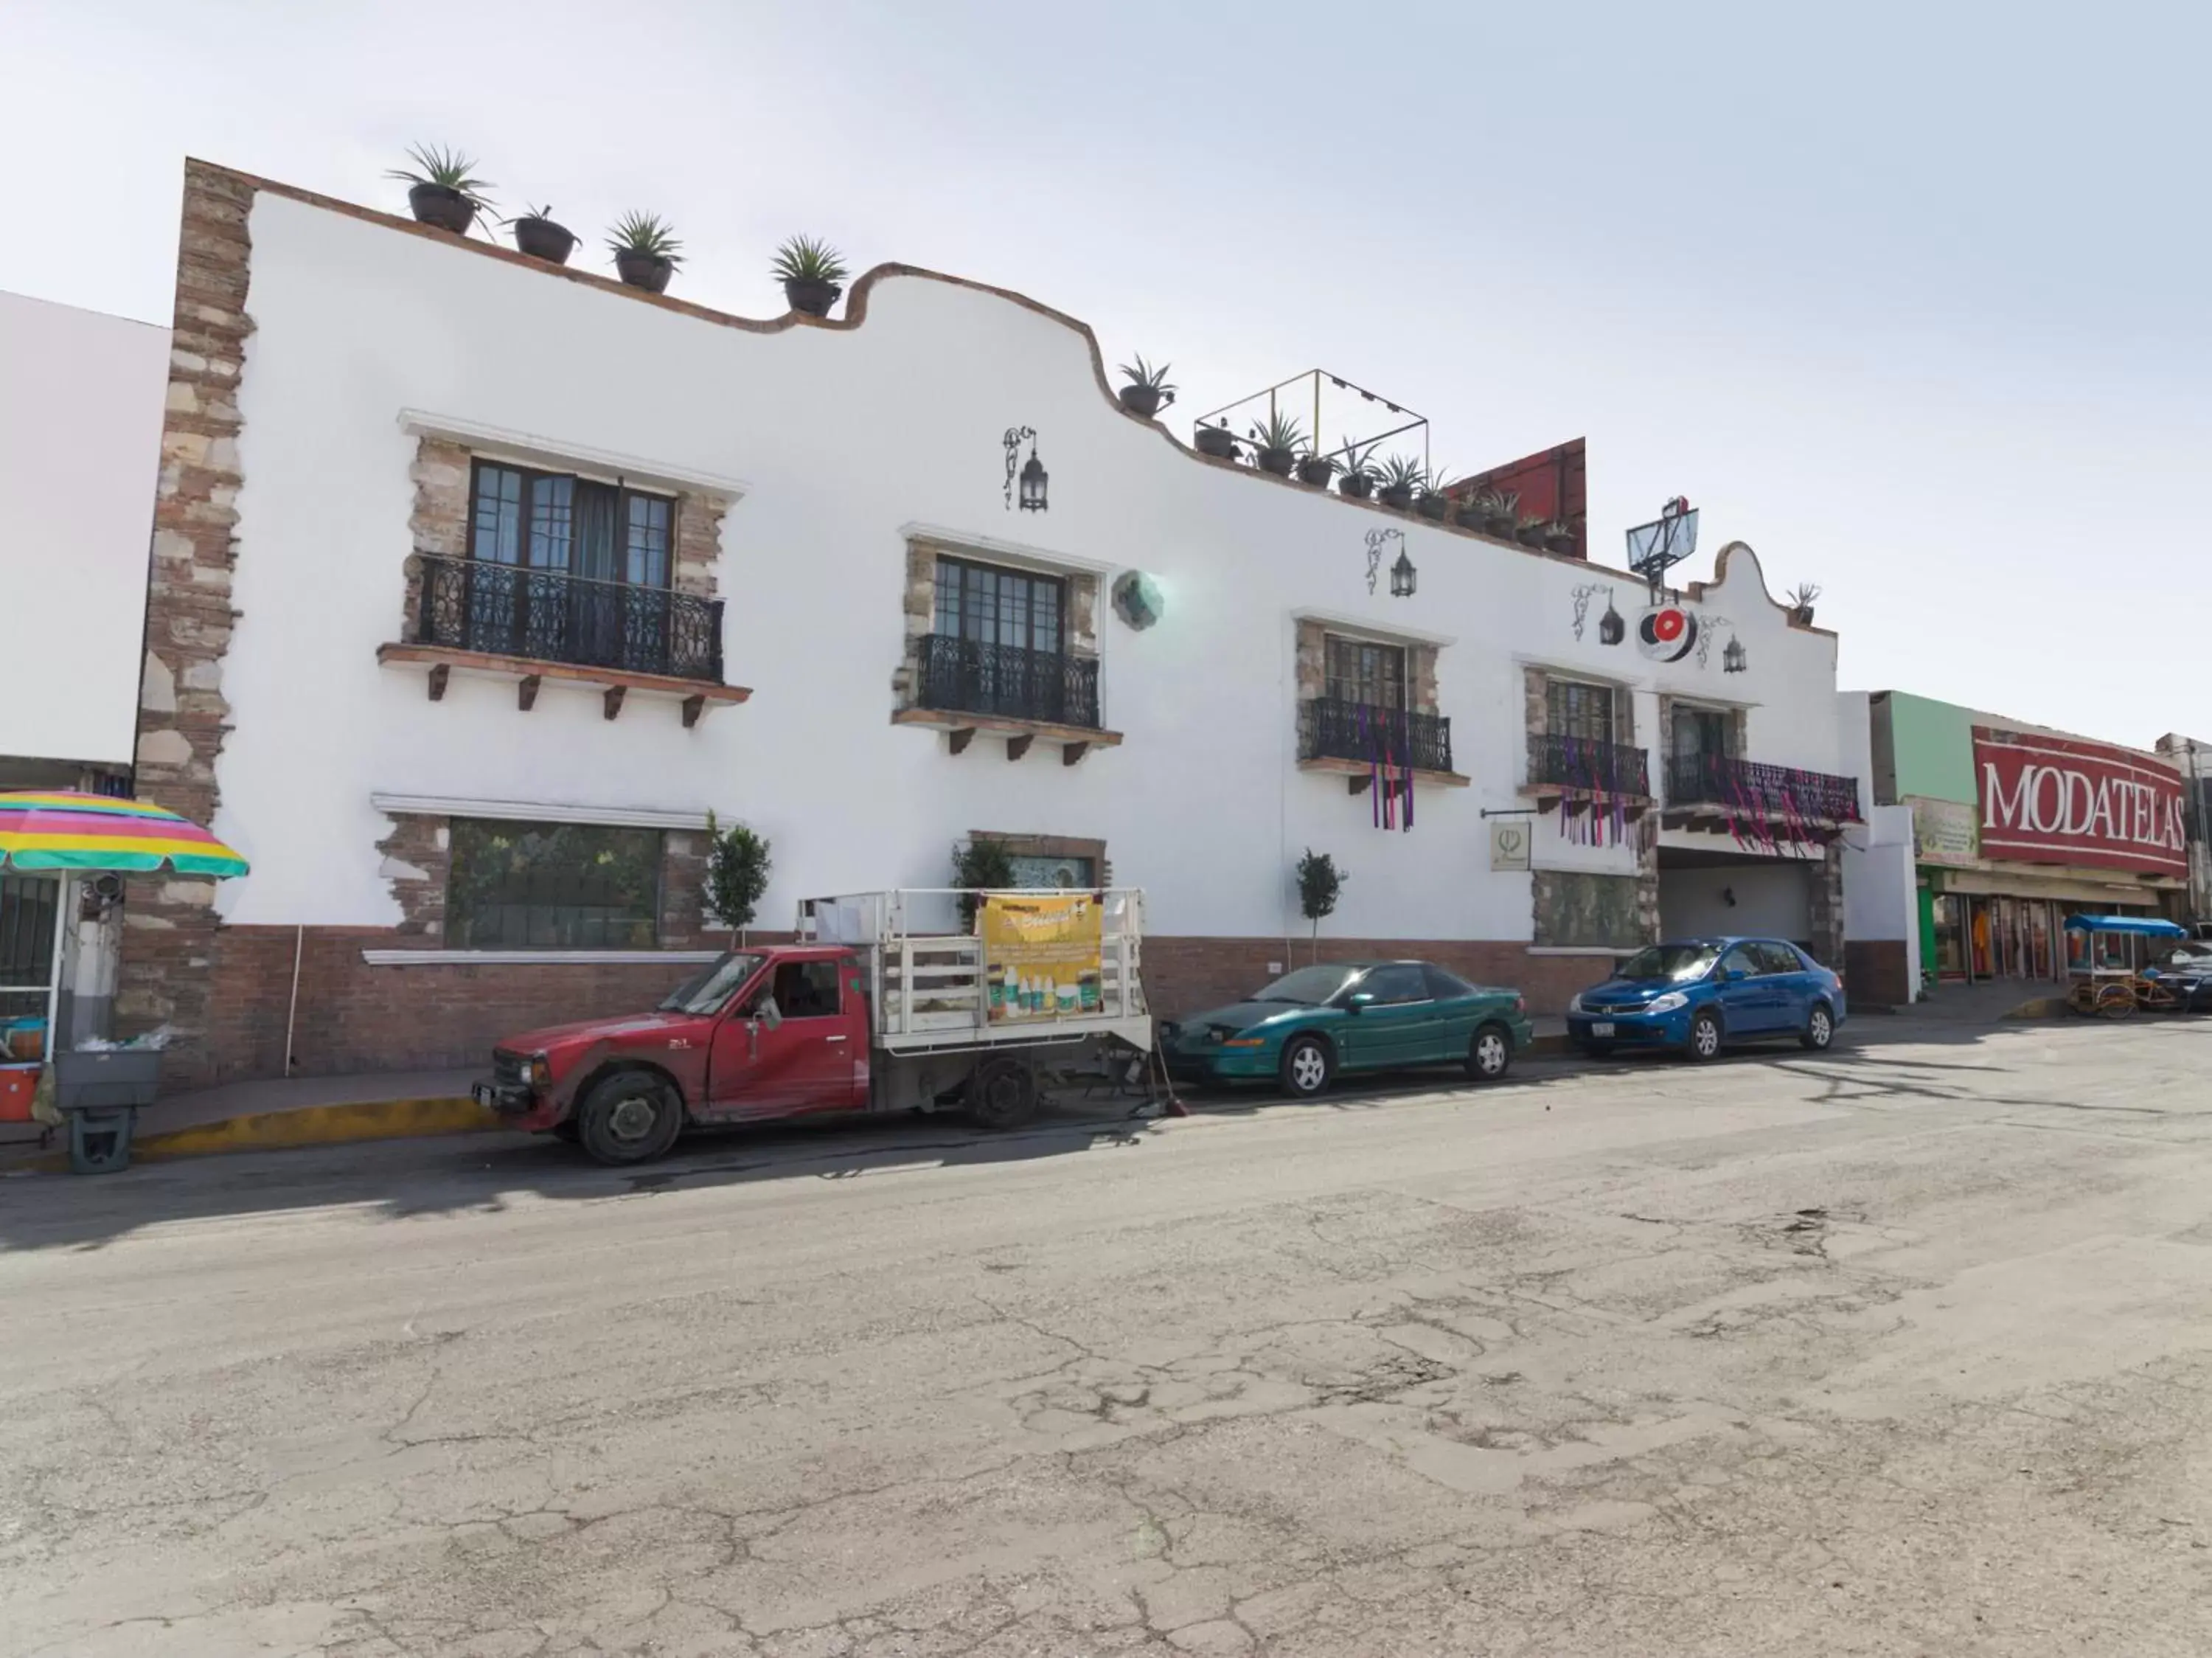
(1536, 683)
(1738, 720)
(924, 547)
(1053, 846)
(417, 861)
(1314, 633)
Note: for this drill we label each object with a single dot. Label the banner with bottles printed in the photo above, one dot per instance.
(1041, 956)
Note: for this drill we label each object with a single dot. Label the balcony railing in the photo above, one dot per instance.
(1607, 768)
(967, 676)
(1751, 790)
(549, 616)
(1330, 728)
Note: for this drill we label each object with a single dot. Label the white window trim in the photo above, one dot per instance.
(544, 454)
(505, 811)
(535, 958)
(1372, 632)
(990, 550)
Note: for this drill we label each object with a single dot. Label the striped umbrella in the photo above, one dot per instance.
(69, 831)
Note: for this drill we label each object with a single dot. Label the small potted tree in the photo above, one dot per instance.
(1148, 391)
(1503, 517)
(812, 273)
(645, 250)
(1216, 441)
(1801, 602)
(442, 188)
(979, 866)
(1356, 472)
(1320, 882)
(1436, 500)
(1279, 439)
(1402, 475)
(738, 863)
(537, 233)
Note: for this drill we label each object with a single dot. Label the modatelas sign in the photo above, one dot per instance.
(2052, 800)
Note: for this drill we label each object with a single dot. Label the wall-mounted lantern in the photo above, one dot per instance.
(1733, 659)
(1033, 479)
(1402, 577)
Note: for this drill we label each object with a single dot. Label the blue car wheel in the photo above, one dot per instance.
(1820, 1027)
(1705, 1035)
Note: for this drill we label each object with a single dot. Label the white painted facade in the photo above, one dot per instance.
(839, 445)
(80, 439)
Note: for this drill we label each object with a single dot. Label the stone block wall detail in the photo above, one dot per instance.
(170, 926)
(1311, 662)
(1824, 905)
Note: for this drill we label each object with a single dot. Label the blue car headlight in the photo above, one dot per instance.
(1673, 1002)
(1576, 1005)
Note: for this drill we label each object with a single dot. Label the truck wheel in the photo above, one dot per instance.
(1489, 1056)
(628, 1116)
(1002, 1095)
(1307, 1067)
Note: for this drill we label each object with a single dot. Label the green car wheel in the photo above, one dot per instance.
(1307, 1067)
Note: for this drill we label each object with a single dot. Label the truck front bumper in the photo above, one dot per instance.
(518, 1102)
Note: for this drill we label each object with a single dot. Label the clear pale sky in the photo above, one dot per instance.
(1915, 299)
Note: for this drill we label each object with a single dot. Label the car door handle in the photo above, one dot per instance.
(833, 1038)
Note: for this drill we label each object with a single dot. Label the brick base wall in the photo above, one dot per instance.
(1183, 976)
(1875, 973)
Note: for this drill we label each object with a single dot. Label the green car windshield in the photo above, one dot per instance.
(1308, 987)
(1673, 964)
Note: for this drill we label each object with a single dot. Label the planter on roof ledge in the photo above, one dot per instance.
(647, 270)
(812, 295)
(1278, 461)
(443, 206)
(545, 239)
(1217, 442)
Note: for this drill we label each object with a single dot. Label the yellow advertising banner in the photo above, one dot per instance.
(1041, 957)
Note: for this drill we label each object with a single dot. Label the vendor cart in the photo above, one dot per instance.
(49, 840)
(2106, 968)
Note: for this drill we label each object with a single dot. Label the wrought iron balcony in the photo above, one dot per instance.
(1005, 682)
(1330, 728)
(549, 616)
(1606, 768)
(1748, 789)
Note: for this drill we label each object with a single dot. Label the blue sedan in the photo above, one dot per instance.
(1699, 995)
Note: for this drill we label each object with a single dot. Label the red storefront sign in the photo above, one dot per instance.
(2050, 800)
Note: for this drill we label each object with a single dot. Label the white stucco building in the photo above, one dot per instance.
(529, 572)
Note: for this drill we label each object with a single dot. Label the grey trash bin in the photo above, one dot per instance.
(99, 1093)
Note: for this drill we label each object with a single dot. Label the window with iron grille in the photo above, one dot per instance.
(552, 887)
(1573, 709)
(1358, 671)
(988, 605)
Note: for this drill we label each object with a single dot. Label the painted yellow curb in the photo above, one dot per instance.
(321, 1126)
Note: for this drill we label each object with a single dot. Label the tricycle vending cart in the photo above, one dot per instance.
(2103, 968)
(911, 1000)
(49, 840)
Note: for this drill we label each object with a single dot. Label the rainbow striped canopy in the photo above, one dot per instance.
(69, 831)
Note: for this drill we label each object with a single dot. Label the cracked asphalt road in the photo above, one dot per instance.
(1906, 1350)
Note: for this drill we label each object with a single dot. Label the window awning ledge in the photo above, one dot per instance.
(440, 662)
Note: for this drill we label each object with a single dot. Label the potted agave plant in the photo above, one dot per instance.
(1529, 531)
(1504, 518)
(538, 233)
(1560, 536)
(1316, 469)
(1402, 475)
(645, 249)
(1216, 441)
(1436, 501)
(1474, 511)
(1356, 472)
(442, 188)
(1801, 602)
(812, 273)
(1279, 439)
(1148, 391)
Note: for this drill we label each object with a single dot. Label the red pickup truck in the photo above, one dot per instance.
(880, 1020)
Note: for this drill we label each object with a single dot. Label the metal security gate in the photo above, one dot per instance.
(30, 962)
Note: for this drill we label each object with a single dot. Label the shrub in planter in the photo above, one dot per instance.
(1402, 475)
(645, 250)
(812, 273)
(1148, 391)
(1801, 602)
(1474, 513)
(1280, 438)
(1316, 470)
(1504, 517)
(537, 233)
(1436, 500)
(442, 190)
(1558, 536)
(1217, 442)
(1357, 470)
(1529, 531)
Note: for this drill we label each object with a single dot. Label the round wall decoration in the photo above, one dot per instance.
(1667, 634)
(1137, 599)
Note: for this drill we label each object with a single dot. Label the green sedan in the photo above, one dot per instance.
(1346, 1016)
